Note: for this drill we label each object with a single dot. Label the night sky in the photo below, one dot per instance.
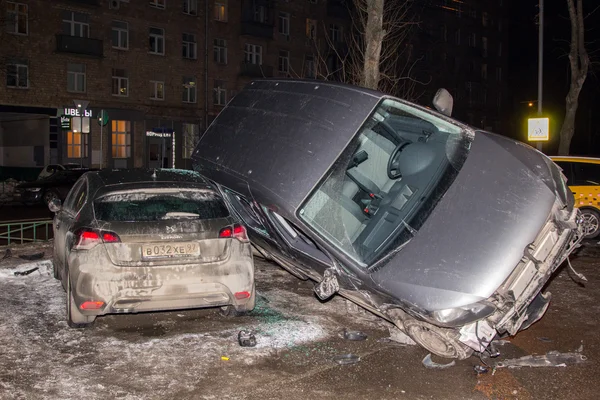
(523, 56)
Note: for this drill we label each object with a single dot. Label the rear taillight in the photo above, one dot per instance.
(89, 238)
(238, 232)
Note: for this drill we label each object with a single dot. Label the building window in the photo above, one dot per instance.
(120, 82)
(473, 40)
(220, 94)
(158, 3)
(484, 71)
(335, 32)
(220, 51)
(473, 13)
(191, 137)
(16, 18)
(76, 24)
(260, 14)
(189, 46)
(221, 11)
(309, 67)
(77, 144)
(484, 46)
(157, 41)
(17, 74)
(253, 54)
(499, 74)
(190, 7)
(485, 19)
(120, 35)
(284, 23)
(311, 29)
(189, 89)
(158, 90)
(121, 139)
(284, 62)
(76, 78)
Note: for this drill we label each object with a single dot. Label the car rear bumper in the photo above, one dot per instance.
(157, 288)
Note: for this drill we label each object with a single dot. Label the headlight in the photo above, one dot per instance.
(464, 315)
(33, 189)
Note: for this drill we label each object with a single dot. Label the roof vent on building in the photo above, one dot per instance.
(114, 4)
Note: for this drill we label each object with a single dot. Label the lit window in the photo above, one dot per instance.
(120, 82)
(189, 89)
(221, 11)
(77, 144)
(121, 139)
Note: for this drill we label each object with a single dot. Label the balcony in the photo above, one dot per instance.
(79, 45)
(256, 70)
(259, 29)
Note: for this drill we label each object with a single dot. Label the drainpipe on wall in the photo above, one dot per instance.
(206, 65)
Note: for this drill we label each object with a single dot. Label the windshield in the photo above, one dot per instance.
(160, 205)
(386, 182)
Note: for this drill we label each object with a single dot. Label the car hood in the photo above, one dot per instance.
(477, 233)
(280, 137)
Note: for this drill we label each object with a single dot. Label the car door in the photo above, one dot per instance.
(63, 219)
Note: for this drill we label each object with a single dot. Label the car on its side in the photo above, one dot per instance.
(583, 177)
(443, 229)
(55, 186)
(128, 241)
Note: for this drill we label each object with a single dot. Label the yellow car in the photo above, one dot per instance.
(583, 174)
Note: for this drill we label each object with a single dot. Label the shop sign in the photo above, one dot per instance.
(159, 134)
(65, 122)
(75, 112)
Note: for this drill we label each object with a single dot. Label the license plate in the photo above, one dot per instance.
(168, 250)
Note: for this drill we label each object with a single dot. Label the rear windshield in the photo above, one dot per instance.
(160, 205)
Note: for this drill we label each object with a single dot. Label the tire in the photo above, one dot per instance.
(439, 341)
(49, 195)
(231, 311)
(591, 223)
(75, 319)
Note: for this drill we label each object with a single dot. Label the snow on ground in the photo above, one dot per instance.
(126, 356)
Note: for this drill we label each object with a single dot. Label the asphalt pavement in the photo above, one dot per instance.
(195, 354)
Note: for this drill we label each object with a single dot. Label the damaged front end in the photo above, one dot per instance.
(519, 302)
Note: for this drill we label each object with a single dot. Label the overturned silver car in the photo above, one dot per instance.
(446, 231)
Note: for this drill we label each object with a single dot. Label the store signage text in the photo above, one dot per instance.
(74, 112)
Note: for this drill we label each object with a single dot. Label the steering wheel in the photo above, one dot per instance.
(393, 171)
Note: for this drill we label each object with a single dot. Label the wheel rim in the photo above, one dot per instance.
(48, 197)
(590, 223)
(433, 341)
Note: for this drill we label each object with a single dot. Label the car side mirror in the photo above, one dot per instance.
(443, 102)
(55, 205)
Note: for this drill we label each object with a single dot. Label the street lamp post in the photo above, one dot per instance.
(540, 63)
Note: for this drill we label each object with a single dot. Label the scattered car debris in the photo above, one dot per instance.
(550, 359)
(480, 369)
(544, 339)
(396, 335)
(354, 335)
(26, 272)
(246, 338)
(32, 257)
(429, 363)
(580, 277)
(346, 359)
(224, 358)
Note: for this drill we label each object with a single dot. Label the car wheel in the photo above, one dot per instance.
(50, 195)
(231, 311)
(76, 319)
(591, 223)
(439, 341)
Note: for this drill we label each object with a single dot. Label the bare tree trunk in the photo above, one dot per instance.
(374, 35)
(579, 63)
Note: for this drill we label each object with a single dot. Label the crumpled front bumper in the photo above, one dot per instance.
(518, 301)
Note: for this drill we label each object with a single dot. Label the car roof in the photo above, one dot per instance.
(592, 160)
(109, 180)
(278, 137)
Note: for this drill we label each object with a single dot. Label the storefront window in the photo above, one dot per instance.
(191, 136)
(121, 139)
(77, 145)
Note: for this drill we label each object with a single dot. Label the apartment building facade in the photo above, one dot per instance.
(132, 83)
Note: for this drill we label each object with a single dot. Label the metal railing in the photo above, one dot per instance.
(27, 230)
